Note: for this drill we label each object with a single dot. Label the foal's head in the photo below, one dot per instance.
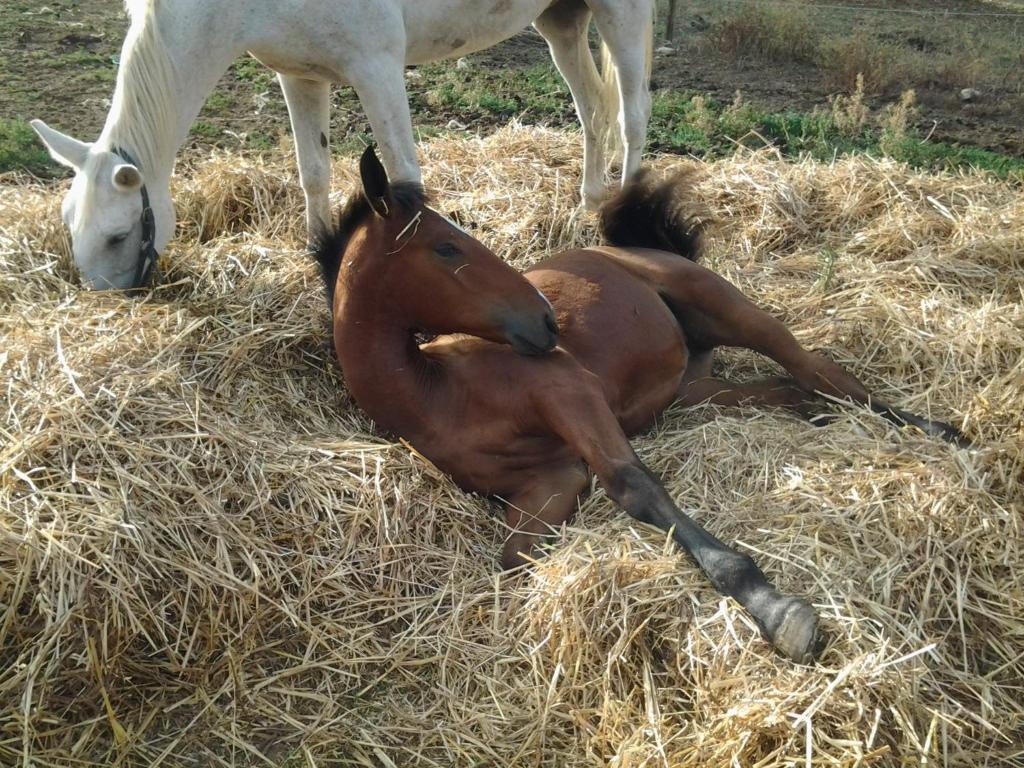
(429, 273)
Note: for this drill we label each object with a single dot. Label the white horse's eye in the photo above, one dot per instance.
(115, 240)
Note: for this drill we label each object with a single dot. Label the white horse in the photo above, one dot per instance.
(119, 208)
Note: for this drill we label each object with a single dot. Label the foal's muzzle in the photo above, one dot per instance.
(534, 334)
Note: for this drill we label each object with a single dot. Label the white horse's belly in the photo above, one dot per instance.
(319, 41)
(439, 29)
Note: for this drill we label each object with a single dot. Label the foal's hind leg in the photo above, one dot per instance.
(699, 387)
(714, 313)
(725, 317)
(545, 502)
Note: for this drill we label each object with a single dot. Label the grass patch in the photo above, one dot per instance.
(252, 71)
(21, 150)
(889, 60)
(708, 128)
(205, 129)
(938, 156)
(535, 94)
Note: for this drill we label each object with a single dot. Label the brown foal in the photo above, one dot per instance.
(531, 397)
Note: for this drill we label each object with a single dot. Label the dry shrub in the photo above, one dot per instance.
(894, 121)
(956, 70)
(773, 34)
(881, 66)
(208, 557)
(849, 113)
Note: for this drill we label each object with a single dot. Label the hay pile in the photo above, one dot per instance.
(209, 558)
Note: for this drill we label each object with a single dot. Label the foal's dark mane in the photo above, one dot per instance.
(406, 196)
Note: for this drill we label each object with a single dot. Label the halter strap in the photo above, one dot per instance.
(147, 250)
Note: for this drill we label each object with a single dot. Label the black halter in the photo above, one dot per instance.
(147, 250)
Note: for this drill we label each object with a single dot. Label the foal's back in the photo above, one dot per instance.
(617, 327)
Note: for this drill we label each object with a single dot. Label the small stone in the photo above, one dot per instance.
(462, 63)
(969, 94)
(664, 50)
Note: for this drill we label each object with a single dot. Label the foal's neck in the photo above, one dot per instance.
(384, 368)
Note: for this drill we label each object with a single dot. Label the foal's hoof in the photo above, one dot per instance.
(949, 433)
(797, 637)
(939, 429)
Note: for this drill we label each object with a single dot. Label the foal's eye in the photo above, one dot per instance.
(447, 251)
(115, 240)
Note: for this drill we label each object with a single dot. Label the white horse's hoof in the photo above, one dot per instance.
(591, 201)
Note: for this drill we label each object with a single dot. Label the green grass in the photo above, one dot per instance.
(946, 157)
(205, 129)
(252, 71)
(537, 94)
(706, 128)
(20, 149)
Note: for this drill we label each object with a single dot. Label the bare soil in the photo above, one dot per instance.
(58, 62)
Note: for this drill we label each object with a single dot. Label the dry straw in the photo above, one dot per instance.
(209, 557)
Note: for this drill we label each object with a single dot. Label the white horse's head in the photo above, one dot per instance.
(118, 224)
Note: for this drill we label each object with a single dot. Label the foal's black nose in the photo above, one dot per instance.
(550, 322)
(530, 334)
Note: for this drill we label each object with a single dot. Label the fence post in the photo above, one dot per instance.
(670, 22)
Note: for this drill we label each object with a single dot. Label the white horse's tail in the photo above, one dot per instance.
(609, 128)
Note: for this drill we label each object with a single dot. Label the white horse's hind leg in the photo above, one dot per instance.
(308, 102)
(380, 86)
(565, 26)
(625, 28)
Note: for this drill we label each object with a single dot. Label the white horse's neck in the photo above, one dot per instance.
(170, 62)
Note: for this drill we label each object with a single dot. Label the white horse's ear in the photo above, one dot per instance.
(127, 178)
(64, 149)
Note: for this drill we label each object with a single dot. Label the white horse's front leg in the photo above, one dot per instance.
(565, 29)
(380, 85)
(308, 102)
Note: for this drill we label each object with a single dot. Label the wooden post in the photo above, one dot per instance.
(670, 22)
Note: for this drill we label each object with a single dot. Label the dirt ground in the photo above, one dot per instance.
(59, 60)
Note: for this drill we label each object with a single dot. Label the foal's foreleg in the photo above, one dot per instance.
(545, 501)
(583, 419)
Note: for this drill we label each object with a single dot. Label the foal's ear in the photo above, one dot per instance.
(375, 182)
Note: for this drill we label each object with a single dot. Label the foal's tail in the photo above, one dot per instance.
(654, 213)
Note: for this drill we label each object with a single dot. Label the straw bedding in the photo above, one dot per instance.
(210, 557)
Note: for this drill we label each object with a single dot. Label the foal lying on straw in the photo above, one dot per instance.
(538, 395)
